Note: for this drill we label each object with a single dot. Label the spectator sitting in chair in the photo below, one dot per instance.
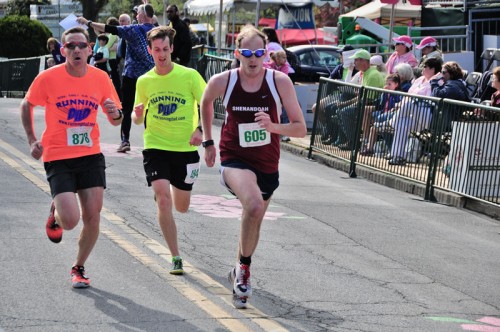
(380, 113)
(449, 84)
(402, 54)
(405, 72)
(412, 115)
(495, 99)
(346, 98)
(370, 77)
(341, 73)
(378, 62)
(429, 48)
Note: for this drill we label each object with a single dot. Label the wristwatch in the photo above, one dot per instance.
(89, 23)
(207, 143)
(120, 116)
(200, 129)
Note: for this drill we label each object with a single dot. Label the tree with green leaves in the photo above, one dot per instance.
(34, 35)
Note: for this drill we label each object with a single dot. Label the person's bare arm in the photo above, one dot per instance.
(138, 114)
(297, 126)
(115, 116)
(99, 27)
(26, 110)
(215, 88)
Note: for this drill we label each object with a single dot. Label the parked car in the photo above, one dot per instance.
(315, 61)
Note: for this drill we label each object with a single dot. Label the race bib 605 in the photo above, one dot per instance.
(251, 134)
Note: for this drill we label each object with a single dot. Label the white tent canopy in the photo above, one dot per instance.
(209, 7)
(376, 9)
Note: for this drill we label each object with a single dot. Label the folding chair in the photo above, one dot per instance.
(490, 55)
(466, 73)
(472, 82)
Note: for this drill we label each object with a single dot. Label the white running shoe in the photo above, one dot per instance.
(240, 277)
(240, 302)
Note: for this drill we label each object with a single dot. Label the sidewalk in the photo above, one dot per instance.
(300, 146)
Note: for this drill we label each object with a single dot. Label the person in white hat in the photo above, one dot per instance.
(429, 48)
(378, 62)
(402, 54)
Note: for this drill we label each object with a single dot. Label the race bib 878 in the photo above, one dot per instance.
(79, 136)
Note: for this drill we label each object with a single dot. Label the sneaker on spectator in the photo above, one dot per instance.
(124, 147)
(177, 266)
(79, 279)
(398, 161)
(367, 152)
(240, 277)
(53, 229)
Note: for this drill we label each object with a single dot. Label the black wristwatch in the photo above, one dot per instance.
(200, 129)
(89, 23)
(207, 143)
(120, 116)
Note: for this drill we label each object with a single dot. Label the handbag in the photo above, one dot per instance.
(98, 56)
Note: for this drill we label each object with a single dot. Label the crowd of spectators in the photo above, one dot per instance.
(389, 118)
(386, 117)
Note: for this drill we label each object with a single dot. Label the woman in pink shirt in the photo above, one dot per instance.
(402, 54)
(413, 115)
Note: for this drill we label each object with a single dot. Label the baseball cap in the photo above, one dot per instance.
(427, 41)
(361, 54)
(376, 60)
(405, 40)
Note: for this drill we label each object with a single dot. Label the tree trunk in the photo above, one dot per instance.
(90, 10)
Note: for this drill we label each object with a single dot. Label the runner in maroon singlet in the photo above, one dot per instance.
(249, 146)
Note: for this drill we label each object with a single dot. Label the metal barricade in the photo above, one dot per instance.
(333, 96)
(17, 75)
(208, 66)
(441, 143)
(392, 140)
(467, 156)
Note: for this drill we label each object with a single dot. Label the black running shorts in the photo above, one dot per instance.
(71, 175)
(267, 182)
(180, 168)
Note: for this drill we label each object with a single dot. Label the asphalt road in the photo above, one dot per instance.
(335, 254)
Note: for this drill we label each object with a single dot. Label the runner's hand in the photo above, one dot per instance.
(196, 138)
(139, 110)
(210, 152)
(111, 108)
(264, 121)
(36, 150)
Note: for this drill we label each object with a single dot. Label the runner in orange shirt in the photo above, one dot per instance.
(71, 94)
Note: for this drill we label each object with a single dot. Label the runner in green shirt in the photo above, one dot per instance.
(166, 101)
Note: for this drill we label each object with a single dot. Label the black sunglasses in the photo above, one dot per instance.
(248, 53)
(399, 43)
(73, 45)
